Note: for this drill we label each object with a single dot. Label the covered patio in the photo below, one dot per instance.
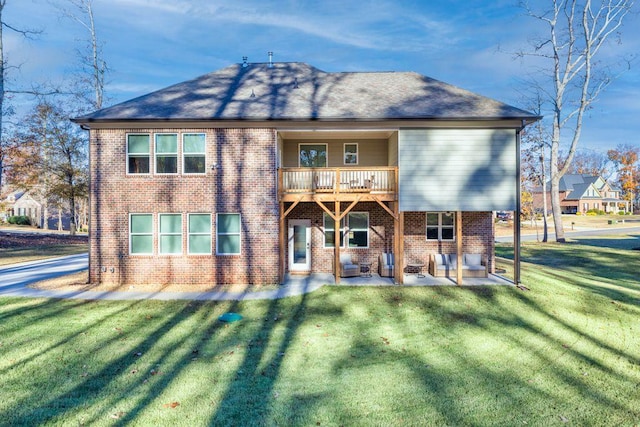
(320, 279)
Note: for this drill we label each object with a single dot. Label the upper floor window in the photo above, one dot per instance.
(138, 154)
(194, 153)
(351, 154)
(166, 149)
(441, 225)
(312, 155)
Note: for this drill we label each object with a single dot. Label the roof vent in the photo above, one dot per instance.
(253, 94)
(270, 59)
(295, 83)
(244, 62)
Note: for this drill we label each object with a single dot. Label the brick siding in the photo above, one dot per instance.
(244, 182)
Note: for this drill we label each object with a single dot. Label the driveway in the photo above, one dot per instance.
(14, 278)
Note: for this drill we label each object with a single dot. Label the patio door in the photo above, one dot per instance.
(299, 245)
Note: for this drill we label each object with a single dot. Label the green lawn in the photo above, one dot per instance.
(567, 352)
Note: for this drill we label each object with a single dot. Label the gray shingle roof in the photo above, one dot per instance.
(298, 91)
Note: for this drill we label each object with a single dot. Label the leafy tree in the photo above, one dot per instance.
(60, 163)
(572, 76)
(625, 159)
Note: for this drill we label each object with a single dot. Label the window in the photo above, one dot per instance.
(193, 152)
(441, 225)
(351, 154)
(358, 232)
(137, 154)
(329, 233)
(141, 234)
(166, 153)
(199, 241)
(170, 235)
(355, 226)
(313, 155)
(228, 234)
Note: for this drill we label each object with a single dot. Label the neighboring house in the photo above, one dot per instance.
(244, 174)
(580, 193)
(20, 203)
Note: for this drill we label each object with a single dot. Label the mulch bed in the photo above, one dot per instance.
(21, 240)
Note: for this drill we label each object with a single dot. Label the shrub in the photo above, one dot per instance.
(19, 220)
(623, 213)
(593, 212)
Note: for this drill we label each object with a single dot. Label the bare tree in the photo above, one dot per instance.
(91, 58)
(579, 31)
(590, 162)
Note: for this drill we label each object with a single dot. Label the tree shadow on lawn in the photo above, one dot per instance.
(150, 371)
(481, 354)
(474, 337)
(608, 264)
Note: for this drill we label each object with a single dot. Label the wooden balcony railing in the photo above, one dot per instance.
(338, 180)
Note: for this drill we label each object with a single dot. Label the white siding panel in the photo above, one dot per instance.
(457, 169)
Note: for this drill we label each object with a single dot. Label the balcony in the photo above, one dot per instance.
(340, 184)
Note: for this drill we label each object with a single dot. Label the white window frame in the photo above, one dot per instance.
(311, 143)
(239, 234)
(131, 234)
(348, 230)
(324, 231)
(149, 154)
(440, 227)
(155, 154)
(204, 153)
(189, 234)
(160, 234)
(344, 154)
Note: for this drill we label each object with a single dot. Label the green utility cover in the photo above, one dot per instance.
(230, 317)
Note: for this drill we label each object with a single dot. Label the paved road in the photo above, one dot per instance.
(572, 234)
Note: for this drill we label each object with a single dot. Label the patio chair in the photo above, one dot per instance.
(385, 265)
(347, 267)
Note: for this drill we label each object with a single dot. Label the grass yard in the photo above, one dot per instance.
(567, 352)
(32, 244)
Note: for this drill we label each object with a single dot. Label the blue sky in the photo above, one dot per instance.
(151, 44)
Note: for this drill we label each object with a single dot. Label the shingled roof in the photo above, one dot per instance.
(298, 91)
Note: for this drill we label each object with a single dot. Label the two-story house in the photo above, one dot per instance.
(256, 171)
(580, 193)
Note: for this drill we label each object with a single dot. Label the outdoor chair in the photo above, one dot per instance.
(347, 267)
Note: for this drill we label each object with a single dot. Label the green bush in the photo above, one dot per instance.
(593, 212)
(623, 213)
(19, 220)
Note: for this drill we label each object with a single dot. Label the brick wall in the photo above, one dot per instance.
(244, 182)
(380, 235)
(478, 230)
